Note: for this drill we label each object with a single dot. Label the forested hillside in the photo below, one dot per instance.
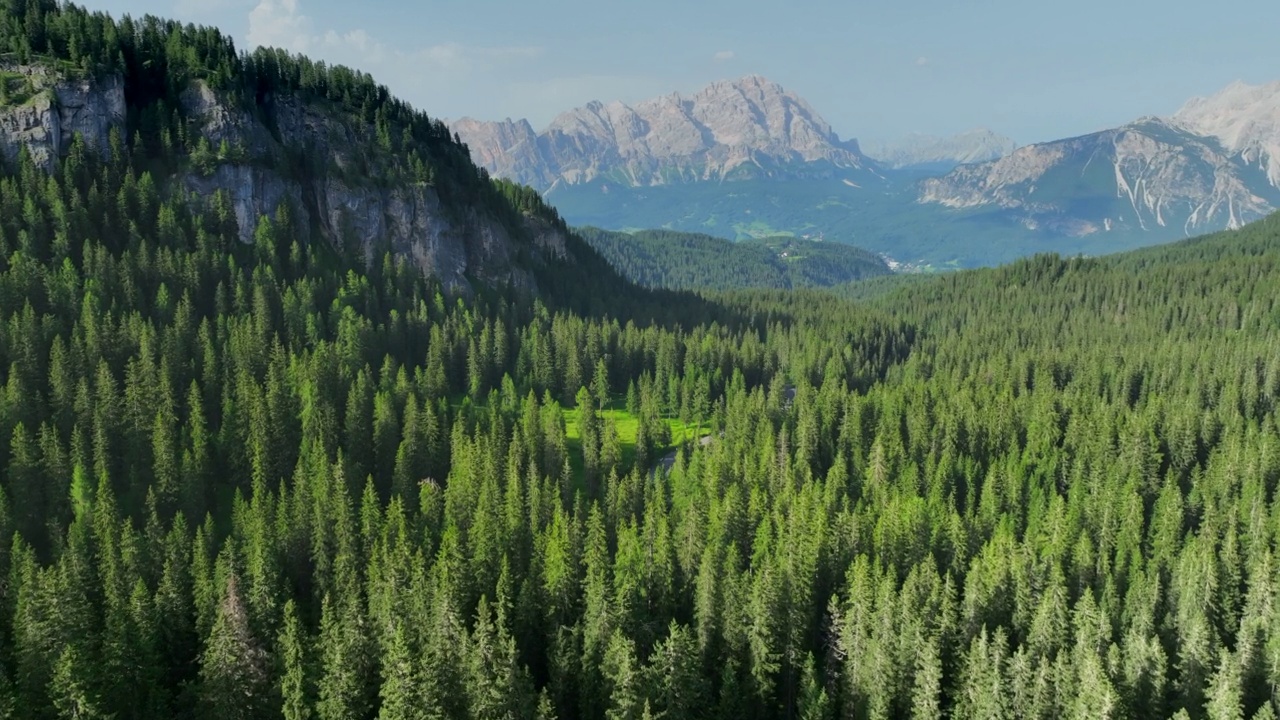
(278, 479)
(686, 261)
(243, 135)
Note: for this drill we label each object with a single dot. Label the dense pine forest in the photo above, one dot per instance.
(276, 479)
(686, 261)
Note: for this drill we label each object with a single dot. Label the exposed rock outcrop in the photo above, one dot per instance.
(509, 149)
(57, 110)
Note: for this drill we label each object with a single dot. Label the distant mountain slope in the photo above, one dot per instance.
(750, 127)
(1245, 119)
(506, 150)
(688, 261)
(1214, 165)
(941, 154)
(748, 159)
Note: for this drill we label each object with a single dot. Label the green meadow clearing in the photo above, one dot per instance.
(626, 425)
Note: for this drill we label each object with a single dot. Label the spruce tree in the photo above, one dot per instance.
(71, 690)
(401, 695)
(295, 684)
(346, 662)
(234, 674)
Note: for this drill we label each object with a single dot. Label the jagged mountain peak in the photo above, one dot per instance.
(730, 128)
(756, 83)
(505, 122)
(1244, 118)
(1235, 95)
(1148, 120)
(753, 79)
(778, 109)
(920, 151)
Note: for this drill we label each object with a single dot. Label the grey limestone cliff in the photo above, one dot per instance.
(346, 193)
(58, 110)
(343, 199)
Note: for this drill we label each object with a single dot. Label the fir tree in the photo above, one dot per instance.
(234, 675)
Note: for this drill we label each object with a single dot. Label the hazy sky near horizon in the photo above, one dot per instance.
(875, 69)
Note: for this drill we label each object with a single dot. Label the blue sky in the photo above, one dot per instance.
(875, 69)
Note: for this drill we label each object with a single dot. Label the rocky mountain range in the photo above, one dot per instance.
(932, 153)
(746, 128)
(974, 198)
(1214, 164)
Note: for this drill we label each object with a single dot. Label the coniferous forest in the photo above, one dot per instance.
(686, 261)
(277, 480)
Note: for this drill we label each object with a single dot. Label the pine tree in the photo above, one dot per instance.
(926, 692)
(346, 663)
(813, 703)
(71, 689)
(295, 686)
(176, 638)
(496, 685)
(401, 694)
(1224, 696)
(233, 667)
(982, 693)
(600, 383)
(674, 674)
(626, 699)
(544, 711)
(265, 242)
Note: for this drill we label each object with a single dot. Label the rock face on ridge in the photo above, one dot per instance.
(342, 201)
(343, 196)
(508, 149)
(59, 109)
(745, 128)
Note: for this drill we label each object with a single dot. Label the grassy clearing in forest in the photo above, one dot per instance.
(627, 426)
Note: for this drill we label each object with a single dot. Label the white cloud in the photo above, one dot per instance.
(441, 77)
(723, 56)
(279, 23)
(357, 42)
(922, 61)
